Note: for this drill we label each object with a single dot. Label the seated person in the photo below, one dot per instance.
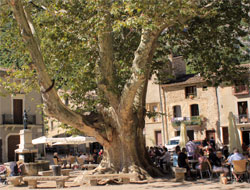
(201, 159)
(165, 158)
(175, 156)
(216, 163)
(183, 161)
(21, 168)
(13, 169)
(235, 156)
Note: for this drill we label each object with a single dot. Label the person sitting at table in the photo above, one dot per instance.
(175, 156)
(201, 159)
(225, 151)
(216, 163)
(235, 156)
(84, 157)
(183, 161)
(165, 158)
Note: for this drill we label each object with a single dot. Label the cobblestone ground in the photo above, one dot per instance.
(156, 184)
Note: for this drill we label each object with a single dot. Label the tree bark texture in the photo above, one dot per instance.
(126, 153)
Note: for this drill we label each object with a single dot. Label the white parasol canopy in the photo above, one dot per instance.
(234, 139)
(74, 140)
(64, 140)
(183, 136)
(42, 140)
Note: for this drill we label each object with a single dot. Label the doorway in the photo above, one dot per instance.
(246, 137)
(18, 111)
(158, 138)
(13, 142)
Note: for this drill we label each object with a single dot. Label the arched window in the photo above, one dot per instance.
(177, 111)
(194, 110)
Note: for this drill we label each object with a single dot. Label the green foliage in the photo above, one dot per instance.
(205, 32)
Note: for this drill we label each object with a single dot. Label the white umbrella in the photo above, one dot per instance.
(183, 135)
(74, 140)
(234, 139)
(42, 140)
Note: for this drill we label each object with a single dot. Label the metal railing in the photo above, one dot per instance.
(194, 120)
(9, 119)
(242, 119)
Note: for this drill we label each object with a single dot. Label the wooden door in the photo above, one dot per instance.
(18, 111)
(158, 138)
(225, 135)
(1, 151)
(13, 142)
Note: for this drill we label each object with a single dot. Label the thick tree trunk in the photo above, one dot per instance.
(127, 154)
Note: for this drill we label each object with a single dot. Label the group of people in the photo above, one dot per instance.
(160, 156)
(218, 160)
(93, 158)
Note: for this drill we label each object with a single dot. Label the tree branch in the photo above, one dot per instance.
(53, 104)
(140, 71)
(106, 84)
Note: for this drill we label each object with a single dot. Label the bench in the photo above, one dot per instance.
(32, 180)
(64, 172)
(89, 166)
(180, 173)
(95, 177)
(15, 180)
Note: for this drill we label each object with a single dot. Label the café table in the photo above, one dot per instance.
(193, 163)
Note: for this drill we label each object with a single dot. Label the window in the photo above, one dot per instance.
(190, 91)
(243, 112)
(177, 111)
(240, 88)
(153, 109)
(204, 88)
(194, 110)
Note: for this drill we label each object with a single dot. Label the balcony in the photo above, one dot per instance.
(194, 120)
(242, 119)
(240, 90)
(9, 119)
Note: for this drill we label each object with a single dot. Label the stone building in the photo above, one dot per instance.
(11, 121)
(235, 99)
(189, 99)
(203, 108)
(154, 126)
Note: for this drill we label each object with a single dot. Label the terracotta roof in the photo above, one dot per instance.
(185, 80)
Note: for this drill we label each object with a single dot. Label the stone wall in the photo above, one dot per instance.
(208, 109)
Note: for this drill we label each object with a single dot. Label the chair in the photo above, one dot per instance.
(216, 172)
(239, 167)
(71, 160)
(204, 168)
(80, 162)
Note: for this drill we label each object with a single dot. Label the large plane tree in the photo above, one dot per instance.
(101, 53)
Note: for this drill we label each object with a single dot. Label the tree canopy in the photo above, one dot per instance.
(101, 54)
